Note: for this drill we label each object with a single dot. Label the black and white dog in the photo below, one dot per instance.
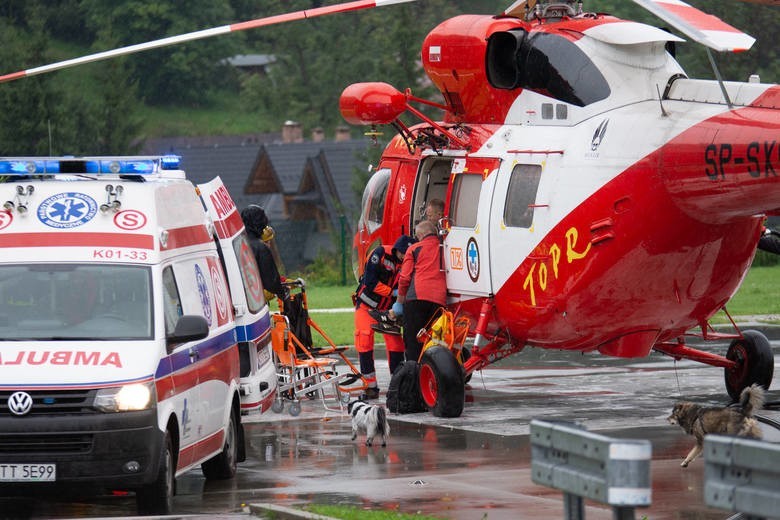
(369, 418)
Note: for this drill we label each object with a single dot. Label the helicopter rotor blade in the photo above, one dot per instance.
(701, 27)
(205, 33)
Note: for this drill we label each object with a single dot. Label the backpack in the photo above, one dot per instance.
(403, 393)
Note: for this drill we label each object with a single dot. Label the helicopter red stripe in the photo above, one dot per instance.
(699, 19)
(13, 76)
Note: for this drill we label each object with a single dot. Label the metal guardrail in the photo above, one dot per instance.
(742, 475)
(583, 465)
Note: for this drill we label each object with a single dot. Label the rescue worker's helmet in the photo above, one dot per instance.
(255, 219)
(403, 243)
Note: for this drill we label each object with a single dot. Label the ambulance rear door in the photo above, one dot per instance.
(252, 314)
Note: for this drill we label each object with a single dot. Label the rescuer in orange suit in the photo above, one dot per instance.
(376, 292)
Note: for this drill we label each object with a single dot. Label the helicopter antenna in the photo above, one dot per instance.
(205, 33)
(719, 78)
(661, 101)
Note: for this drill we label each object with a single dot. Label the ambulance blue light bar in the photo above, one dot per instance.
(145, 165)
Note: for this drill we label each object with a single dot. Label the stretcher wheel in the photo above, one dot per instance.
(278, 406)
(755, 363)
(350, 379)
(295, 409)
(441, 382)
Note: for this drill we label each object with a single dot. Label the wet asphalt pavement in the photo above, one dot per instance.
(476, 466)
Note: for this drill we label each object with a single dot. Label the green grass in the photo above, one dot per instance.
(329, 296)
(340, 327)
(759, 295)
(355, 513)
(223, 117)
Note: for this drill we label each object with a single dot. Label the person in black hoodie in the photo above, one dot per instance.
(256, 224)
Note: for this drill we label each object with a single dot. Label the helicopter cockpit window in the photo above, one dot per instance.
(464, 201)
(521, 195)
(545, 63)
(374, 199)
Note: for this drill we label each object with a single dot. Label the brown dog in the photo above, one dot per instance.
(736, 420)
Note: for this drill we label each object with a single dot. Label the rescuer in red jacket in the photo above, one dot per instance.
(422, 285)
(376, 292)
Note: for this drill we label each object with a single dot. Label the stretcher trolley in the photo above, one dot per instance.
(303, 370)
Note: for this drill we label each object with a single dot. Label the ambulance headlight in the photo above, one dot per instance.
(127, 398)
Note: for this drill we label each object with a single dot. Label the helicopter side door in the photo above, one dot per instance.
(466, 241)
(518, 218)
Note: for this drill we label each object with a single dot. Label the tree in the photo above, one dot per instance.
(184, 73)
(318, 58)
(86, 110)
(29, 107)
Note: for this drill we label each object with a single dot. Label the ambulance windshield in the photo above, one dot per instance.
(40, 302)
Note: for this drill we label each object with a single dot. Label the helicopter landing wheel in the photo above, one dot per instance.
(755, 363)
(441, 382)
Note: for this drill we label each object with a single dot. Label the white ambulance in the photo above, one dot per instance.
(133, 329)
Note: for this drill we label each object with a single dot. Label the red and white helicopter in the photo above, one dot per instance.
(597, 199)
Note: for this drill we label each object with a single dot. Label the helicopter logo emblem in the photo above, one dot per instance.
(598, 135)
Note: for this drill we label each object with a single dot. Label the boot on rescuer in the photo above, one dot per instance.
(134, 334)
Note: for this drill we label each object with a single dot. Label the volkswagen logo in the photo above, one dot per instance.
(20, 403)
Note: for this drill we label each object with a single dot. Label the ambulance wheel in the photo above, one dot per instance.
(157, 497)
(223, 466)
(295, 408)
(441, 382)
(755, 363)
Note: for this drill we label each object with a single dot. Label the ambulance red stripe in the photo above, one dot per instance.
(192, 453)
(229, 226)
(65, 239)
(264, 404)
(185, 237)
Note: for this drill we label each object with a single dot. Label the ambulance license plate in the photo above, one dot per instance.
(28, 472)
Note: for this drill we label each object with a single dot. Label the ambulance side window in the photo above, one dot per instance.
(171, 300)
(521, 195)
(250, 275)
(464, 200)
